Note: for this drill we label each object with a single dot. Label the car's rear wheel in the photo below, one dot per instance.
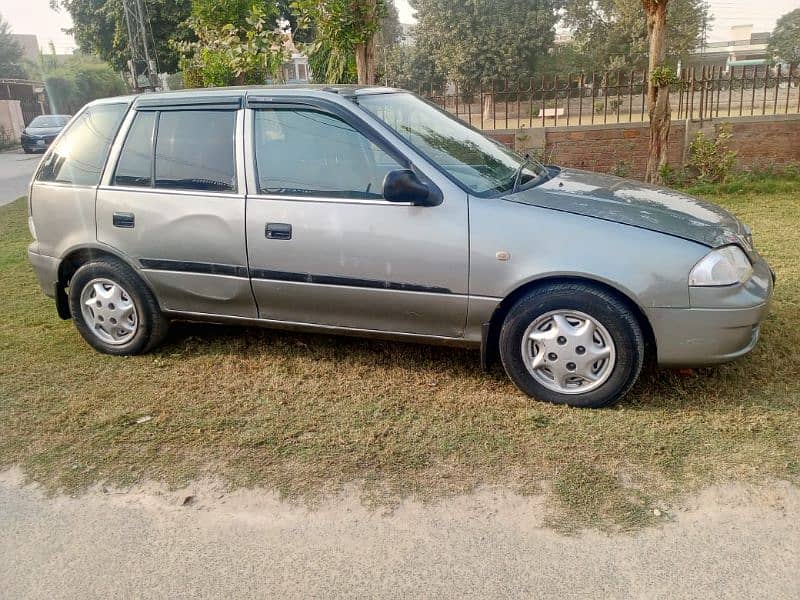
(572, 343)
(114, 311)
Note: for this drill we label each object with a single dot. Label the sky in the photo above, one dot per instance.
(35, 16)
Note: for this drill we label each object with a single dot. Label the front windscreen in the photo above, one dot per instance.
(48, 121)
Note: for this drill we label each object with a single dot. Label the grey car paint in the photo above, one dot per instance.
(181, 226)
(636, 204)
(472, 251)
(405, 246)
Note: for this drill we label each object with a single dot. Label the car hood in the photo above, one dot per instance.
(636, 204)
(43, 130)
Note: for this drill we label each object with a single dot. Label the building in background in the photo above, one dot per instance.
(295, 69)
(406, 34)
(29, 44)
(743, 48)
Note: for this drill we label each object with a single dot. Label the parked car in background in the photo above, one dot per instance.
(368, 211)
(41, 132)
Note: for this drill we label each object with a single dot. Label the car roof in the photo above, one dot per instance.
(317, 90)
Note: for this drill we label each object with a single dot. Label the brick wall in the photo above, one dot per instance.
(622, 148)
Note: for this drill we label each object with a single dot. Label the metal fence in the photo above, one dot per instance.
(617, 97)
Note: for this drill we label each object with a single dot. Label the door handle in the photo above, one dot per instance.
(278, 231)
(125, 220)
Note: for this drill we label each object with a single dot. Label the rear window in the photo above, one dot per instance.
(81, 151)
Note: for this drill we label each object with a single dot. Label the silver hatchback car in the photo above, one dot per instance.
(368, 211)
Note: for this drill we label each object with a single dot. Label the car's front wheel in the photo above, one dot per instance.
(114, 310)
(572, 343)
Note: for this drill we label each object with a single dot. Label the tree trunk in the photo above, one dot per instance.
(657, 95)
(365, 52)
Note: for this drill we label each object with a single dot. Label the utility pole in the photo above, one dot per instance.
(141, 64)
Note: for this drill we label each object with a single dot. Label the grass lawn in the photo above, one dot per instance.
(306, 413)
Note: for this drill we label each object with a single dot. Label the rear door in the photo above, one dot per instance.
(326, 248)
(174, 203)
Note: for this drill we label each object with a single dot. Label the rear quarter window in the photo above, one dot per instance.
(81, 151)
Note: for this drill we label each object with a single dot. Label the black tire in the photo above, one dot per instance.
(152, 324)
(27, 151)
(604, 307)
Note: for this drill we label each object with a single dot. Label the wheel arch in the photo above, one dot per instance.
(490, 334)
(73, 260)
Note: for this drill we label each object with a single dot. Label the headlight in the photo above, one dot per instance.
(723, 266)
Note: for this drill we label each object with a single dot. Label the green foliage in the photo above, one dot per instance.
(663, 76)
(711, 159)
(73, 82)
(481, 40)
(99, 28)
(784, 44)
(389, 54)
(330, 63)
(175, 81)
(339, 28)
(612, 34)
(221, 12)
(772, 179)
(600, 106)
(10, 53)
(236, 50)
(621, 169)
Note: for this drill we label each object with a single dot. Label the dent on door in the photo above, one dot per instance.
(190, 247)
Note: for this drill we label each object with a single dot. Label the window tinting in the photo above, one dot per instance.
(79, 155)
(194, 150)
(304, 152)
(136, 160)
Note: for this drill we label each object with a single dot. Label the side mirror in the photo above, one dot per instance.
(403, 185)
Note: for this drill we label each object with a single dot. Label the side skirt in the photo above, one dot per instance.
(324, 329)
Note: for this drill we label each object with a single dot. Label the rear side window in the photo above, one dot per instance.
(135, 166)
(194, 150)
(79, 155)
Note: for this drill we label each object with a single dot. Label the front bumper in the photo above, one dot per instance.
(46, 269)
(722, 325)
(36, 143)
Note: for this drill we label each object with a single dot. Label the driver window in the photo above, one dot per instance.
(304, 152)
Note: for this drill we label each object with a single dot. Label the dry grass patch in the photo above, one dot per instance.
(307, 414)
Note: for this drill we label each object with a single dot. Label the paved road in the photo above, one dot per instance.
(16, 169)
(487, 545)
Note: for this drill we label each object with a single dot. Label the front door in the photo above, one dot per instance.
(325, 247)
(174, 205)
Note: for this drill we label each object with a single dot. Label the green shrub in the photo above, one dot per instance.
(621, 169)
(613, 105)
(711, 159)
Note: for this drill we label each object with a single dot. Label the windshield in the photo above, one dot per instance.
(48, 121)
(479, 164)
